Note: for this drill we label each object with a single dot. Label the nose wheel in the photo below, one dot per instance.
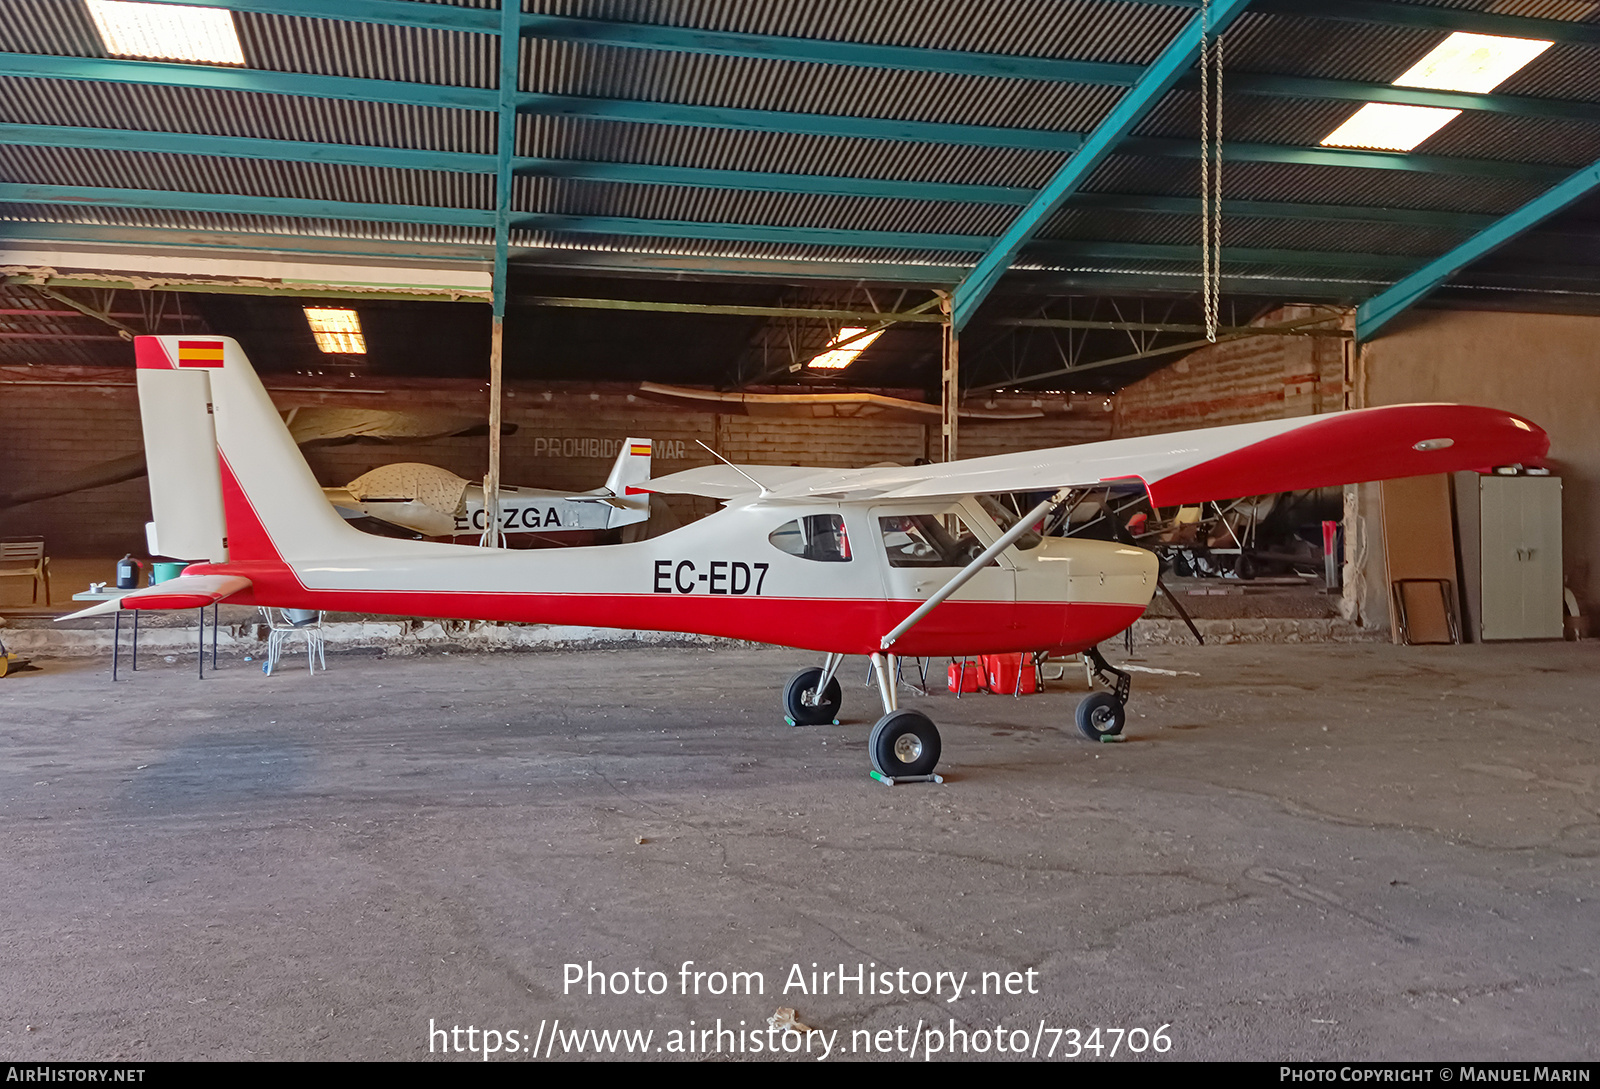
(1101, 715)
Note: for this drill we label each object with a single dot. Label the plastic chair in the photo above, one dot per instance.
(23, 557)
(284, 624)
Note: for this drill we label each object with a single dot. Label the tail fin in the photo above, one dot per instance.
(632, 468)
(180, 444)
(226, 478)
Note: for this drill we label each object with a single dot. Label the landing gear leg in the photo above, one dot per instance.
(1101, 715)
(903, 743)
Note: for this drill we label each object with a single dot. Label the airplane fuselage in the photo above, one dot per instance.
(737, 574)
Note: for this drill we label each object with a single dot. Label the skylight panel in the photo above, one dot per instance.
(337, 332)
(1472, 62)
(167, 31)
(837, 359)
(1476, 63)
(1389, 128)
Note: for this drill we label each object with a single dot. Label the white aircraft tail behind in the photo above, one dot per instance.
(631, 469)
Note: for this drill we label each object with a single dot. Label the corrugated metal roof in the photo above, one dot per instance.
(783, 153)
(1079, 29)
(1260, 233)
(1326, 48)
(246, 177)
(562, 196)
(746, 83)
(1317, 184)
(333, 47)
(242, 113)
(1572, 11)
(1517, 139)
(1565, 70)
(1250, 118)
(49, 26)
(99, 216)
(1296, 122)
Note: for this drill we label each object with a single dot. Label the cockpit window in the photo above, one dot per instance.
(928, 540)
(819, 537)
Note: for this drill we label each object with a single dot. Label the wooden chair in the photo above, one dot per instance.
(23, 557)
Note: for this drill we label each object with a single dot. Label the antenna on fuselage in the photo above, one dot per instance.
(764, 490)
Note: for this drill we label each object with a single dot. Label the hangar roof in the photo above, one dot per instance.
(854, 141)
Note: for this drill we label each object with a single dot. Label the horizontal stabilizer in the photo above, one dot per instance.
(183, 592)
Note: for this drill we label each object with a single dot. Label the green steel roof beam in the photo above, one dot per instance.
(1157, 80)
(1273, 209)
(409, 252)
(810, 124)
(1043, 250)
(262, 81)
(443, 16)
(1238, 152)
(391, 12)
(1358, 91)
(257, 80)
(23, 192)
(228, 203)
(1377, 311)
(245, 147)
(674, 39)
(1053, 249)
(1428, 17)
(487, 20)
(757, 181)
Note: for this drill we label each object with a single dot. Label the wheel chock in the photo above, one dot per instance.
(896, 780)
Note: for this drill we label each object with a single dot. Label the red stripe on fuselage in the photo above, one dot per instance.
(851, 626)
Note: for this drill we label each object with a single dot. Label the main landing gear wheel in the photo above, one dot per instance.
(1101, 715)
(802, 703)
(904, 743)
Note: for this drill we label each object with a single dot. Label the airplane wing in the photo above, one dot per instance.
(1181, 467)
(183, 592)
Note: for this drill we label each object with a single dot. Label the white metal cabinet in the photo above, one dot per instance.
(1520, 557)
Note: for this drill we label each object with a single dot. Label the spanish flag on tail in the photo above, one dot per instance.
(199, 353)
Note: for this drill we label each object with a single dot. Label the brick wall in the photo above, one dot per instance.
(58, 420)
(1257, 378)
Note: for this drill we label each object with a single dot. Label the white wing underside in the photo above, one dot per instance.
(1185, 466)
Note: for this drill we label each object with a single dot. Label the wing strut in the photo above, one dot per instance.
(1007, 539)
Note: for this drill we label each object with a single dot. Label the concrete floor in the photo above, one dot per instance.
(1301, 852)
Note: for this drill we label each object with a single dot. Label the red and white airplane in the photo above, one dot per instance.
(881, 561)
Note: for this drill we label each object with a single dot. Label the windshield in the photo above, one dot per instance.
(928, 540)
(1004, 510)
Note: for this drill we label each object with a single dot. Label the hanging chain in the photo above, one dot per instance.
(1210, 172)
